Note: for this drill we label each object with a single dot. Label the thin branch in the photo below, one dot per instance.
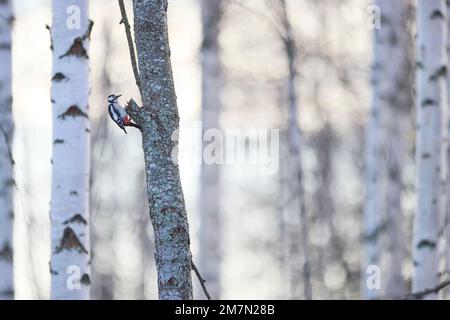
(126, 24)
(422, 294)
(202, 281)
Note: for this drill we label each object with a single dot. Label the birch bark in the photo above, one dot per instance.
(6, 161)
(447, 211)
(160, 123)
(210, 226)
(296, 238)
(70, 247)
(431, 135)
(396, 106)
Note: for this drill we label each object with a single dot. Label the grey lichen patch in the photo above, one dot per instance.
(85, 280)
(6, 253)
(58, 77)
(58, 141)
(70, 241)
(178, 230)
(425, 243)
(76, 50)
(73, 111)
(77, 218)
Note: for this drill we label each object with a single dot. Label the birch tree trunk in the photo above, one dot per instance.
(431, 140)
(386, 151)
(296, 238)
(447, 211)
(372, 219)
(70, 250)
(6, 160)
(210, 225)
(160, 123)
(394, 87)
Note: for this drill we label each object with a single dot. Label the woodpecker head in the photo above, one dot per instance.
(113, 98)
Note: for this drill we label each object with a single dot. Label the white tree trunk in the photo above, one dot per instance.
(431, 140)
(394, 86)
(6, 161)
(70, 248)
(373, 205)
(210, 225)
(296, 237)
(385, 153)
(447, 211)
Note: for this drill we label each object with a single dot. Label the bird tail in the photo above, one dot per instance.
(132, 124)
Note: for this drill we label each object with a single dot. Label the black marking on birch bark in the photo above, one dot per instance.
(393, 38)
(77, 218)
(426, 155)
(5, 46)
(7, 293)
(58, 141)
(76, 49)
(53, 272)
(58, 77)
(70, 241)
(73, 193)
(419, 65)
(376, 232)
(426, 244)
(72, 111)
(87, 34)
(85, 280)
(50, 32)
(428, 102)
(441, 72)
(437, 14)
(52, 100)
(6, 253)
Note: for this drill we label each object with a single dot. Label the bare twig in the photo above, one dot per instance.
(202, 281)
(422, 294)
(126, 24)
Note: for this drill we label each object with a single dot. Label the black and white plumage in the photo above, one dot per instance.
(118, 113)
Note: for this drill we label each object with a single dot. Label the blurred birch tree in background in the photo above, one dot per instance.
(6, 158)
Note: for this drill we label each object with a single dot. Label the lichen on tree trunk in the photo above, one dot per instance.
(159, 121)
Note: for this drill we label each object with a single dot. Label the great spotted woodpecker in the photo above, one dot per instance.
(118, 113)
